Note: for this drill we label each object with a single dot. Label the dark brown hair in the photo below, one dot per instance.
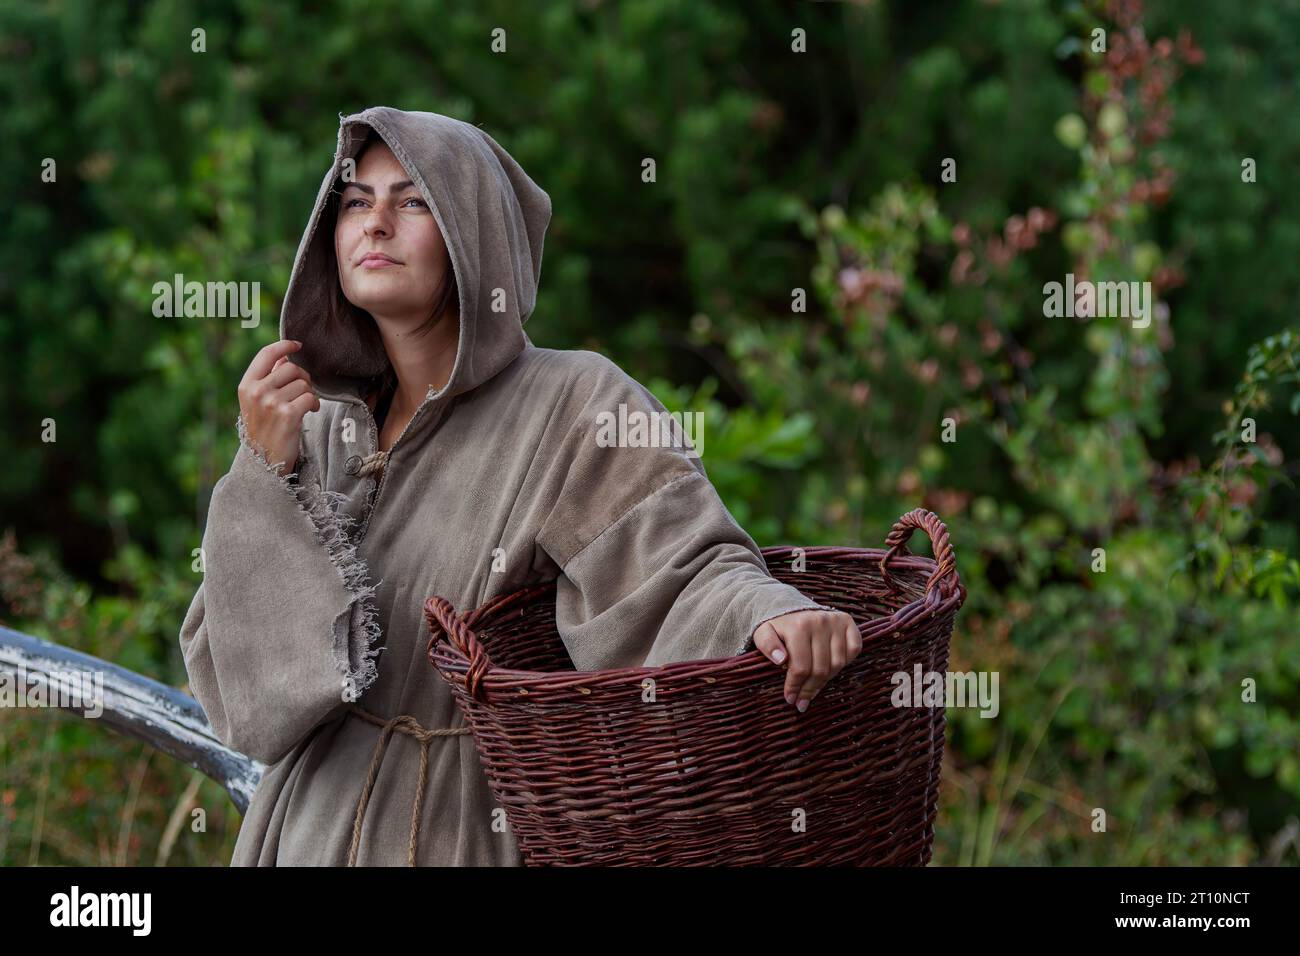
(341, 309)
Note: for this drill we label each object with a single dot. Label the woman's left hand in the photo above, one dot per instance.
(817, 645)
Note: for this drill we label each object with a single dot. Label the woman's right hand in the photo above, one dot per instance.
(274, 396)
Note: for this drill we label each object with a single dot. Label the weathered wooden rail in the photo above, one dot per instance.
(134, 705)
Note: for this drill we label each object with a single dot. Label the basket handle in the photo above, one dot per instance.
(440, 614)
(930, 523)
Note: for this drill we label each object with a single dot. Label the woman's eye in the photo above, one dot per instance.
(356, 203)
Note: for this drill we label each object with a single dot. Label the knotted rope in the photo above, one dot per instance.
(411, 727)
(372, 464)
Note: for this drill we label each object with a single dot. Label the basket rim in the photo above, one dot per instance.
(443, 653)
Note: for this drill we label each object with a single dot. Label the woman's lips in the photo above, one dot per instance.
(377, 261)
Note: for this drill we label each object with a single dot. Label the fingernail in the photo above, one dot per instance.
(778, 656)
(789, 699)
(803, 705)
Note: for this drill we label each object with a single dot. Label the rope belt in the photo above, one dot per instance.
(411, 727)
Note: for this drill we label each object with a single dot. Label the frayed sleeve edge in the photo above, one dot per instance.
(355, 642)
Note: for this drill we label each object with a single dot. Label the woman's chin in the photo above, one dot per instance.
(376, 302)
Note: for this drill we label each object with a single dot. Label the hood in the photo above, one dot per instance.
(493, 218)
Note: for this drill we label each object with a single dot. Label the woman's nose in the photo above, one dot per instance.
(376, 223)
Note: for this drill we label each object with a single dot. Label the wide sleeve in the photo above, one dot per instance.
(654, 567)
(282, 634)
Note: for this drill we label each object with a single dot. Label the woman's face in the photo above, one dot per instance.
(390, 252)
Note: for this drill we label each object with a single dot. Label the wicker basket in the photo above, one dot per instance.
(715, 768)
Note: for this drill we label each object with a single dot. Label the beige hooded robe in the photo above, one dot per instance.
(314, 583)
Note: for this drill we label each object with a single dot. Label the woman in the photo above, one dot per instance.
(405, 439)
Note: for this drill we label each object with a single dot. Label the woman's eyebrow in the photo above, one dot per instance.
(370, 190)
